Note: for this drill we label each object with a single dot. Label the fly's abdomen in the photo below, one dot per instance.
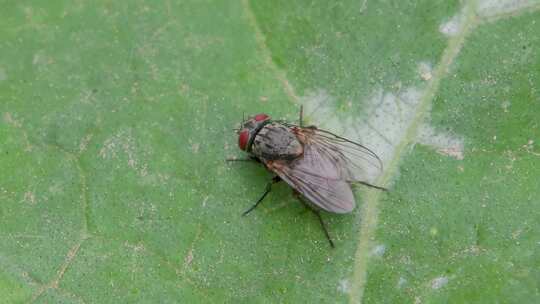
(275, 141)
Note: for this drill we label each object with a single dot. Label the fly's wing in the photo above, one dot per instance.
(353, 161)
(316, 178)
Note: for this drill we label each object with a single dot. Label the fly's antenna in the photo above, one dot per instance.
(243, 122)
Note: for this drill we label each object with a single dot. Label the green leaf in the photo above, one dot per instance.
(116, 119)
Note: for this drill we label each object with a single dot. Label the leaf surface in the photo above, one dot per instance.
(116, 119)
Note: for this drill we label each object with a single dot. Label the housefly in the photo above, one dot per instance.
(317, 164)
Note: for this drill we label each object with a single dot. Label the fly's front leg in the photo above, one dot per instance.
(250, 159)
(266, 191)
(369, 185)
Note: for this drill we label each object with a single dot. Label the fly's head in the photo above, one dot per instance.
(249, 129)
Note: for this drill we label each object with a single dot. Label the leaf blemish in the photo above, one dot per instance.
(425, 70)
(84, 143)
(123, 142)
(489, 8)
(3, 74)
(505, 106)
(378, 250)
(439, 282)
(11, 120)
(30, 197)
(380, 126)
(401, 282)
(344, 286)
(443, 143)
(451, 27)
(195, 147)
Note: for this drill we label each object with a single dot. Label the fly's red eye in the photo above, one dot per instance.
(261, 117)
(243, 139)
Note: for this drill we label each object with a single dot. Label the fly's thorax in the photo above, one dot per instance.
(276, 141)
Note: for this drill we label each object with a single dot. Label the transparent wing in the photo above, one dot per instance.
(327, 167)
(353, 161)
(317, 180)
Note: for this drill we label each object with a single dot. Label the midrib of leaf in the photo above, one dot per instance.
(370, 210)
(266, 54)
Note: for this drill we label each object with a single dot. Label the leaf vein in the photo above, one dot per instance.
(369, 213)
(267, 55)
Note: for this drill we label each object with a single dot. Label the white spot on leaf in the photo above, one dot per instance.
(10, 120)
(488, 8)
(123, 143)
(401, 282)
(506, 105)
(189, 258)
(84, 142)
(378, 250)
(204, 201)
(439, 282)
(30, 197)
(3, 74)
(443, 143)
(344, 286)
(451, 27)
(425, 70)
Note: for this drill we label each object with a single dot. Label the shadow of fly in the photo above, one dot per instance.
(319, 165)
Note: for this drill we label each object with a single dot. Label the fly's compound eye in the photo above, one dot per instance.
(243, 139)
(261, 117)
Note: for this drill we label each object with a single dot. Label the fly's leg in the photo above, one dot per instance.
(317, 213)
(301, 118)
(369, 185)
(266, 191)
(298, 196)
(324, 228)
(251, 159)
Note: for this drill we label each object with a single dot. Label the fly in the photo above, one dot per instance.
(317, 164)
